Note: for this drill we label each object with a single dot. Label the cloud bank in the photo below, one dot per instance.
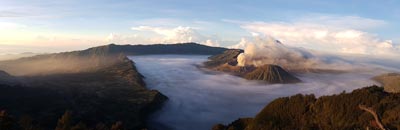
(266, 50)
(198, 99)
(164, 35)
(328, 33)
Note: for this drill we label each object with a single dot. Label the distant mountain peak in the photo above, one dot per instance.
(140, 49)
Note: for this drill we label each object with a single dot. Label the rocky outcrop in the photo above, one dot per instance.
(390, 81)
(227, 57)
(271, 74)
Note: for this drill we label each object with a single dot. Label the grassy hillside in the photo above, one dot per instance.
(390, 81)
(336, 112)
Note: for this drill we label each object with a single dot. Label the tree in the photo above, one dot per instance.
(101, 126)
(7, 122)
(65, 122)
(117, 126)
(26, 123)
(80, 126)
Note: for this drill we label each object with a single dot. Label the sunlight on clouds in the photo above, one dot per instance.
(165, 35)
(10, 25)
(172, 35)
(123, 39)
(45, 43)
(330, 35)
(211, 43)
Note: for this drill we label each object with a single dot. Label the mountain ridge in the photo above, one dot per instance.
(178, 48)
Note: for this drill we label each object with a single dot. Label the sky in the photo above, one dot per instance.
(340, 26)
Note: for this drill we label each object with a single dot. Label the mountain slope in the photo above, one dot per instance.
(228, 56)
(227, 62)
(271, 74)
(390, 81)
(97, 87)
(336, 112)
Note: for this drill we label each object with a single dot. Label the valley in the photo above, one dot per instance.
(199, 98)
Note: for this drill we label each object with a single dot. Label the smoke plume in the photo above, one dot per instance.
(266, 50)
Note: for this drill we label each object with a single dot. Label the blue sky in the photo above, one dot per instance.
(49, 25)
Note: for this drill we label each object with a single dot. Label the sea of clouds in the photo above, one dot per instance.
(199, 99)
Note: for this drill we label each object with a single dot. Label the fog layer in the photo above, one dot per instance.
(198, 98)
(57, 64)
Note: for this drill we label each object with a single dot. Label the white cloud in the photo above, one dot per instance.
(124, 39)
(211, 43)
(9, 25)
(172, 35)
(241, 45)
(334, 34)
(178, 34)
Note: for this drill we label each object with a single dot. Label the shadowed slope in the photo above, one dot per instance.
(97, 87)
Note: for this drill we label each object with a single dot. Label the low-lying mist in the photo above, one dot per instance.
(199, 98)
(56, 64)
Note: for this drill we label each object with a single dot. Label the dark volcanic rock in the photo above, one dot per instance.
(390, 81)
(229, 57)
(227, 62)
(271, 74)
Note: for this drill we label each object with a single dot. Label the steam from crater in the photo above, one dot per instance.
(266, 50)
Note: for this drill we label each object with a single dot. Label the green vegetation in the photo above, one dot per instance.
(336, 112)
(96, 88)
(65, 122)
